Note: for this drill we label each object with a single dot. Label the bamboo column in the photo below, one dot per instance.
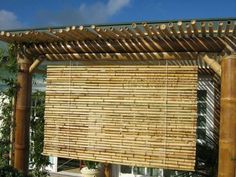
(23, 100)
(107, 170)
(227, 149)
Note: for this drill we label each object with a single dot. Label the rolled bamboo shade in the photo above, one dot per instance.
(140, 115)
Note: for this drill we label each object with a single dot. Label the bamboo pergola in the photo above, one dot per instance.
(206, 43)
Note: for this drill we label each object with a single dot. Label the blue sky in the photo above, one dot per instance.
(40, 13)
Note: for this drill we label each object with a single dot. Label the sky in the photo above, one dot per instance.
(15, 14)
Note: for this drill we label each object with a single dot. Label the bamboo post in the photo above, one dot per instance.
(227, 147)
(107, 170)
(24, 81)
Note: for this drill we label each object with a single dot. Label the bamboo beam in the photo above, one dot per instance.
(35, 64)
(124, 56)
(227, 146)
(214, 65)
(24, 81)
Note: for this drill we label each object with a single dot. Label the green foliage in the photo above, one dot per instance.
(91, 164)
(8, 171)
(9, 65)
(39, 161)
(8, 78)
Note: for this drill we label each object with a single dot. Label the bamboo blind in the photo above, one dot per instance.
(140, 115)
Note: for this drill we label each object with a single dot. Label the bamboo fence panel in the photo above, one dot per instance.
(140, 115)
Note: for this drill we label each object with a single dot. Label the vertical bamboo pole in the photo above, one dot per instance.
(23, 98)
(107, 170)
(227, 150)
(13, 131)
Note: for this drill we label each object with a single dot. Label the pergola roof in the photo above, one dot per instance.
(134, 40)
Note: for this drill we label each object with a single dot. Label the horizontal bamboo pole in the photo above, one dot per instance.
(35, 64)
(124, 56)
(214, 65)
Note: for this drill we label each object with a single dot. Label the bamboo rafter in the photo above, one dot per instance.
(133, 45)
(124, 56)
(192, 36)
(81, 33)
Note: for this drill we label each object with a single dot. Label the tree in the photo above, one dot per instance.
(9, 68)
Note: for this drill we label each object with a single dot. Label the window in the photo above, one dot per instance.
(202, 110)
(128, 171)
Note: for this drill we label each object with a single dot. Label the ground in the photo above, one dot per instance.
(61, 175)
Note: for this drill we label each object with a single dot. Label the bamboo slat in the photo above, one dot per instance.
(220, 27)
(180, 27)
(141, 115)
(227, 28)
(173, 29)
(211, 29)
(234, 29)
(203, 29)
(195, 28)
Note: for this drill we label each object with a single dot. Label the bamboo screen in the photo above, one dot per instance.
(131, 115)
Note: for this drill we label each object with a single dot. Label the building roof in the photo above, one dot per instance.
(131, 40)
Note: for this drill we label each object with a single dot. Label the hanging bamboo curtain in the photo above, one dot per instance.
(132, 115)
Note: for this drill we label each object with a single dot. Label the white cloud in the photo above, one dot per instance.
(97, 12)
(113, 6)
(100, 12)
(8, 20)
